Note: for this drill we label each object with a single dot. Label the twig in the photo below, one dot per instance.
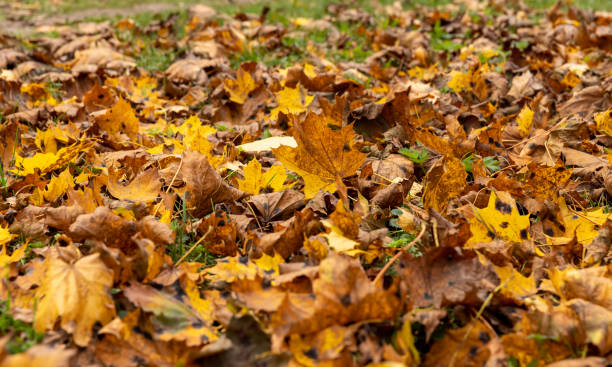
(435, 231)
(382, 271)
(170, 185)
(254, 215)
(193, 246)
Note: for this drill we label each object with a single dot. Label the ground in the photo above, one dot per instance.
(366, 183)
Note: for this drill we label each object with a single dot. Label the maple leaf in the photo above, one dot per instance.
(126, 340)
(499, 219)
(5, 259)
(58, 185)
(5, 235)
(290, 101)
(187, 318)
(604, 122)
(77, 289)
(460, 81)
(47, 162)
(144, 187)
(322, 156)
(120, 118)
(255, 180)
(445, 180)
(203, 185)
(240, 88)
(40, 356)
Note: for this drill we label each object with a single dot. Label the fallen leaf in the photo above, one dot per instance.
(77, 290)
(322, 155)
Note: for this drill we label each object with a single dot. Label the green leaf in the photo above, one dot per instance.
(417, 156)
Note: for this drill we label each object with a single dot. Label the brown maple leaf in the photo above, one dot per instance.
(323, 156)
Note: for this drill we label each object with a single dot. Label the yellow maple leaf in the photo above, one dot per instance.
(255, 180)
(584, 224)
(460, 81)
(336, 238)
(515, 284)
(290, 100)
(58, 186)
(240, 88)
(144, 187)
(120, 118)
(47, 162)
(77, 289)
(604, 122)
(195, 138)
(322, 156)
(525, 120)
(500, 219)
(230, 269)
(5, 235)
(45, 141)
(185, 317)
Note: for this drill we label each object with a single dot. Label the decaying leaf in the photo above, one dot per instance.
(203, 185)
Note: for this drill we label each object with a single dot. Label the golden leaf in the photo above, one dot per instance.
(255, 180)
(515, 284)
(290, 101)
(584, 224)
(444, 181)
(195, 138)
(47, 162)
(336, 239)
(40, 356)
(5, 235)
(604, 122)
(77, 290)
(240, 88)
(500, 219)
(119, 119)
(58, 186)
(186, 317)
(144, 187)
(460, 81)
(525, 120)
(322, 156)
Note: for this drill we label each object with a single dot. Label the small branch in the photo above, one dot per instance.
(382, 271)
(193, 246)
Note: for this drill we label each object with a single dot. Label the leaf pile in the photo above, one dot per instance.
(392, 187)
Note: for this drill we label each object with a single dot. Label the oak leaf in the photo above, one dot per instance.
(322, 156)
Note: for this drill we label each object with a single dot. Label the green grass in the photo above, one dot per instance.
(23, 334)
(184, 240)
